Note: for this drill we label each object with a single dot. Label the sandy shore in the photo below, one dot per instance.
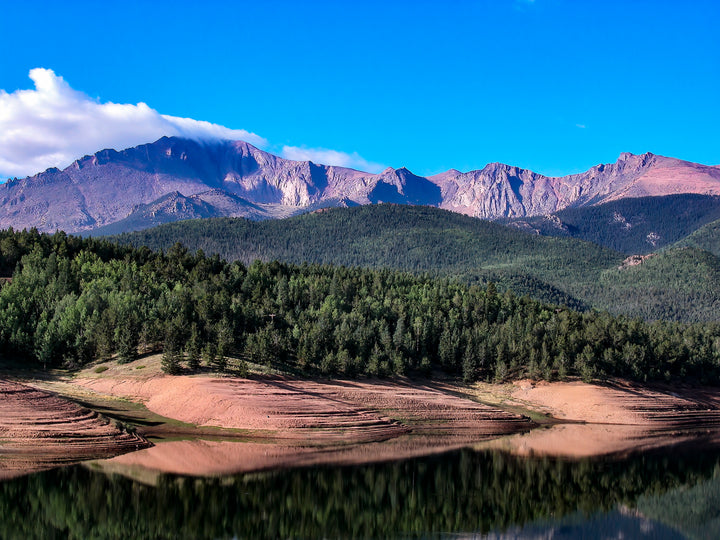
(622, 402)
(284, 421)
(315, 412)
(612, 418)
(267, 422)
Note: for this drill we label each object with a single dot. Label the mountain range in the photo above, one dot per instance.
(175, 179)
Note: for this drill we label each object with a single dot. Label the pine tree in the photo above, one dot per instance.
(208, 354)
(170, 362)
(128, 339)
(172, 350)
(224, 342)
(193, 348)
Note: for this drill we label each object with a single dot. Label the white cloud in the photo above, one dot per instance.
(331, 157)
(581, 126)
(53, 125)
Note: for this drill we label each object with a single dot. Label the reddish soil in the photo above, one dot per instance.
(615, 418)
(621, 402)
(315, 411)
(39, 430)
(289, 422)
(275, 421)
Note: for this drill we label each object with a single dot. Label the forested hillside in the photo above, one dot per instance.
(677, 284)
(706, 238)
(564, 271)
(631, 226)
(72, 301)
(412, 238)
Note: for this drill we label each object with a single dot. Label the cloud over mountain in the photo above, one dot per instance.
(331, 157)
(54, 124)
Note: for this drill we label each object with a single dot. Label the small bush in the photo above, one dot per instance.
(100, 369)
(127, 428)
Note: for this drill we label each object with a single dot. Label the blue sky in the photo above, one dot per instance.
(555, 86)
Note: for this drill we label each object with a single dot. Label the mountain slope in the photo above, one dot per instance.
(176, 207)
(503, 191)
(417, 239)
(633, 225)
(706, 238)
(110, 186)
(679, 284)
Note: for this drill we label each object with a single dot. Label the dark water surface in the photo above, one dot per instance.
(670, 494)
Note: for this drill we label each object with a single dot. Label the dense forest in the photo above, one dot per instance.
(72, 301)
(706, 238)
(629, 225)
(564, 271)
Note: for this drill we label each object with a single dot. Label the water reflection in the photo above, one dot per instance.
(462, 491)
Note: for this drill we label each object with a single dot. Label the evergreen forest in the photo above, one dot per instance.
(71, 301)
(633, 225)
(566, 271)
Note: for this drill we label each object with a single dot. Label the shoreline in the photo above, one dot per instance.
(40, 430)
(206, 425)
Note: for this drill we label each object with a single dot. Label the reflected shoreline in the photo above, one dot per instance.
(284, 422)
(462, 491)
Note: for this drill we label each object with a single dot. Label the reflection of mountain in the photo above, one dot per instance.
(110, 187)
(465, 491)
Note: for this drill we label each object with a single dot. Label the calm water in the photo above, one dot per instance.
(656, 495)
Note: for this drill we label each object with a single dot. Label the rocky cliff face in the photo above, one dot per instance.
(503, 191)
(176, 178)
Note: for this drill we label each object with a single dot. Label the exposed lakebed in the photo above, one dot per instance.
(278, 456)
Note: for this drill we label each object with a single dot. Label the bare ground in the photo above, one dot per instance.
(269, 422)
(285, 421)
(617, 417)
(39, 430)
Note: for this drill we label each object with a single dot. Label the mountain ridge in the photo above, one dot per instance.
(113, 186)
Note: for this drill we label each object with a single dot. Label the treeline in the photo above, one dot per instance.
(409, 238)
(71, 301)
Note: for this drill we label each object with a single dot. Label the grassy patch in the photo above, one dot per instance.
(500, 396)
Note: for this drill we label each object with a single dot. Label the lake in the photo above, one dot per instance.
(660, 494)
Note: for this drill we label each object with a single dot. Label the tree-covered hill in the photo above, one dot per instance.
(412, 238)
(632, 226)
(706, 238)
(72, 301)
(676, 284)
(564, 271)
